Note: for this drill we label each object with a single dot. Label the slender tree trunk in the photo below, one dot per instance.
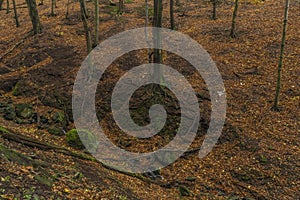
(172, 20)
(1, 3)
(16, 14)
(157, 22)
(85, 26)
(7, 7)
(234, 15)
(96, 39)
(120, 7)
(280, 63)
(34, 16)
(67, 12)
(214, 11)
(85, 9)
(53, 3)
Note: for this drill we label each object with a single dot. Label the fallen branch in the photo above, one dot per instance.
(9, 135)
(11, 155)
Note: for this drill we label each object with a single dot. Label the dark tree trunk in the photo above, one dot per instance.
(34, 16)
(53, 5)
(234, 15)
(120, 7)
(85, 26)
(67, 12)
(96, 39)
(157, 22)
(16, 14)
(214, 11)
(7, 7)
(280, 63)
(172, 20)
(1, 3)
(84, 9)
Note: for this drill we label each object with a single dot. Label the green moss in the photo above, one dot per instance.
(73, 140)
(55, 131)
(16, 90)
(44, 180)
(59, 117)
(9, 112)
(87, 138)
(184, 191)
(24, 110)
(3, 130)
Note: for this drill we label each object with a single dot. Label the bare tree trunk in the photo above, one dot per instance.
(67, 12)
(85, 26)
(172, 20)
(85, 9)
(96, 39)
(214, 11)
(53, 5)
(16, 14)
(157, 22)
(34, 16)
(280, 63)
(7, 7)
(1, 3)
(120, 7)
(234, 15)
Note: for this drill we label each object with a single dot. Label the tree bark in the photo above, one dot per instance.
(280, 63)
(34, 16)
(67, 12)
(16, 14)
(85, 26)
(1, 3)
(234, 15)
(7, 7)
(84, 9)
(157, 55)
(53, 4)
(214, 11)
(96, 39)
(120, 7)
(172, 20)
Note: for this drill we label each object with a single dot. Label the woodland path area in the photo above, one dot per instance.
(256, 157)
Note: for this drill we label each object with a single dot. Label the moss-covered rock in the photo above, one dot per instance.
(59, 118)
(9, 112)
(73, 139)
(87, 138)
(55, 131)
(24, 110)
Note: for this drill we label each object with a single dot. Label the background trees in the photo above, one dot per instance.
(16, 14)
(234, 15)
(34, 16)
(280, 63)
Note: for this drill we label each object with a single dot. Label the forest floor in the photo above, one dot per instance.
(256, 157)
